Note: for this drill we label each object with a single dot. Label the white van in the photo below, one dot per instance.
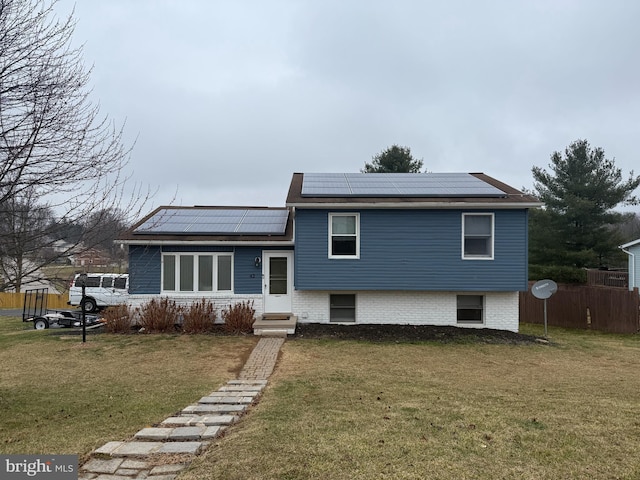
(101, 290)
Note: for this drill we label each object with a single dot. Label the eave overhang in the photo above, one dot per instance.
(418, 205)
(265, 243)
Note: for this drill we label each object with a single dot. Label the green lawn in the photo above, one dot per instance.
(345, 410)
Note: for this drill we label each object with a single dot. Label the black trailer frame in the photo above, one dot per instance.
(35, 310)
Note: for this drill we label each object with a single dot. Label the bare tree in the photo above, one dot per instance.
(629, 228)
(24, 226)
(103, 227)
(54, 142)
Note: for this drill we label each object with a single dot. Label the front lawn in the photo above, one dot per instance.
(339, 409)
(60, 396)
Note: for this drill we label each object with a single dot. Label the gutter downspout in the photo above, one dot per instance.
(632, 276)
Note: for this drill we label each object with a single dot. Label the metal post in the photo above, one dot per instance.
(83, 281)
(84, 316)
(545, 318)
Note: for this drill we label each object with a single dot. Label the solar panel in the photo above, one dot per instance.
(396, 185)
(190, 221)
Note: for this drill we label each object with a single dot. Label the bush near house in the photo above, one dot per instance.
(159, 315)
(117, 319)
(200, 317)
(165, 316)
(239, 318)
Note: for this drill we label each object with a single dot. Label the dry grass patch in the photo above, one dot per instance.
(345, 410)
(58, 395)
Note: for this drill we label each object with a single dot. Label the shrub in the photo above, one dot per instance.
(117, 319)
(200, 317)
(239, 318)
(559, 274)
(159, 316)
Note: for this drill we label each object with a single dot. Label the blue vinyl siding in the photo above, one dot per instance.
(411, 250)
(247, 278)
(145, 269)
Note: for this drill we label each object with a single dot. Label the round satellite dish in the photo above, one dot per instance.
(544, 288)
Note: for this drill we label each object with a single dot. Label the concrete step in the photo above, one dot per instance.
(275, 325)
(227, 400)
(175, 434)
(205, 409)
(198, 420)
(139, 448)
(243, 393)
(123, 468)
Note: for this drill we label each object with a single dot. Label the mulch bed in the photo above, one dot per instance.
(412, 333)
(377, 333)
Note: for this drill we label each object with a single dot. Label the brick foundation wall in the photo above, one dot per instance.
(413, 308)
(219, 301)
(399, 307)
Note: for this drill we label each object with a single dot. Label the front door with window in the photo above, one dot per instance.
(278, 281)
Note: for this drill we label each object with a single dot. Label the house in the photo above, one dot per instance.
(632, 249)
(430, 248)
(90, 257)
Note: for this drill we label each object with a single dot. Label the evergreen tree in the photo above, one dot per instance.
(394, 159)
(576, 227)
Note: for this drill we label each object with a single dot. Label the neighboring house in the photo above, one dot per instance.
(434, 249)
(632, 249)
(90, 257)
(62, 246)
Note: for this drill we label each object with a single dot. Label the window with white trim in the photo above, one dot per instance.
(197, 272)
(470, 309)
(344, 235)
(477, 236)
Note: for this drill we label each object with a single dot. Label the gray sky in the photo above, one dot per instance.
(228, 98)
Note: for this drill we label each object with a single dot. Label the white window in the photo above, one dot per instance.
(477, 236)
(344, 235)
(470, 309)
(197, 272)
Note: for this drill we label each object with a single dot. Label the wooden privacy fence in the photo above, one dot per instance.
(16, 300)
(607, 309)
(607, 278)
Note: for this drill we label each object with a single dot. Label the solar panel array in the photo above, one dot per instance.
(231, 221)
(396, 185)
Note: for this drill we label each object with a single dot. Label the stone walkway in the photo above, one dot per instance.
(152, 452)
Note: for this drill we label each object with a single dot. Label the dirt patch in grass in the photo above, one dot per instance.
(412, 333)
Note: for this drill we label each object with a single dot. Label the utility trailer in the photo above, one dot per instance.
(35, 310)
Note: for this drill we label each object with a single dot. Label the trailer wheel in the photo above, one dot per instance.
(89, 305)
(40, 323)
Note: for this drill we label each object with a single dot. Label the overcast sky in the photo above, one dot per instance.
(228, 98)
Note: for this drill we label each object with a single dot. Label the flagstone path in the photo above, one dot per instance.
(151, 453)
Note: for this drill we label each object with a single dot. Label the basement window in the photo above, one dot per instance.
(342, 308)
(470, 309)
